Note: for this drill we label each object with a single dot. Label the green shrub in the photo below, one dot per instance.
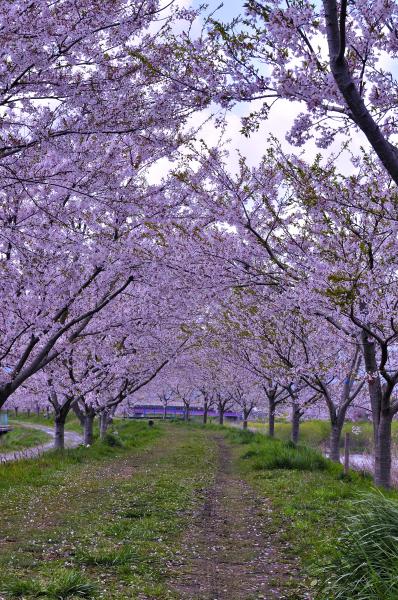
(112, 440)
(365, 563)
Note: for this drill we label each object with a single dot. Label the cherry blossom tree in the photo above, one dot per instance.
(74, 158)
(328, 56)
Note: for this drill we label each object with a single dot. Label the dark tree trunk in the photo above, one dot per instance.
(16, 411)
(59, 440)
(335, 436)
(374, 385)
(4, 395)
(186, 413)
(79, 413)
(383, 452)
(104, 422)
(28, 412)
(205, 411)
(349, 90)
(246, 415)
(88, 429)
(165, 411)
(296, 415)
(38, 411)
(381, 416)
(271, 418)
(221, 417)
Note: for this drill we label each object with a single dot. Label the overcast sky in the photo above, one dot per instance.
(278, 124)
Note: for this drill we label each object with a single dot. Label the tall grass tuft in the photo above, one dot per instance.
(365, 564)
(21, 588)
(242, 436)
(64, 585)
(274, 454)
(68, 584)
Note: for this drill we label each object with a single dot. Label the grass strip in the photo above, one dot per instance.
(102, 522)
(21, 438)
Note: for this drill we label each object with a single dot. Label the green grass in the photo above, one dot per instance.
(364, 564)
(316, 433)
(42, 471)
(312, 507)
(102, 520)
(106, 520)
(62, 585)
(275, 454)
(72, 422)
(21, 438)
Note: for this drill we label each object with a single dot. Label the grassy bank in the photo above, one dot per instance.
(101, 521)
(316, 433)
(21, 438)
(313, 504)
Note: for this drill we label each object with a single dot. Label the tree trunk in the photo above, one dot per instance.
(38, 411)
(104, 422)
(244, 424)
(88, 429)
(271, 418)
(374, 385)
(383, 452)
(380, 416)
(186, 413)
(59, 440)
(79, 413)
(4, 395)
(165, 411)
(28, 412)
(205, 411)
(295, 423)
(221, 417)
(335, 436)
(16, 411)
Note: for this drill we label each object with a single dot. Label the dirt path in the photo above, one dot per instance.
(72, 440)
(228, 552)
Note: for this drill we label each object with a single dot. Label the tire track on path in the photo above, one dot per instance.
(228, 553)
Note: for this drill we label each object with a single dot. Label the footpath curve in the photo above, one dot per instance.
(72, 440)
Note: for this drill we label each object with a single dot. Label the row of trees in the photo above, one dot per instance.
(275, 283)
(92, 97)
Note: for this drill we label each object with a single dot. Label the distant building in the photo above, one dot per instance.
(152, 411)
